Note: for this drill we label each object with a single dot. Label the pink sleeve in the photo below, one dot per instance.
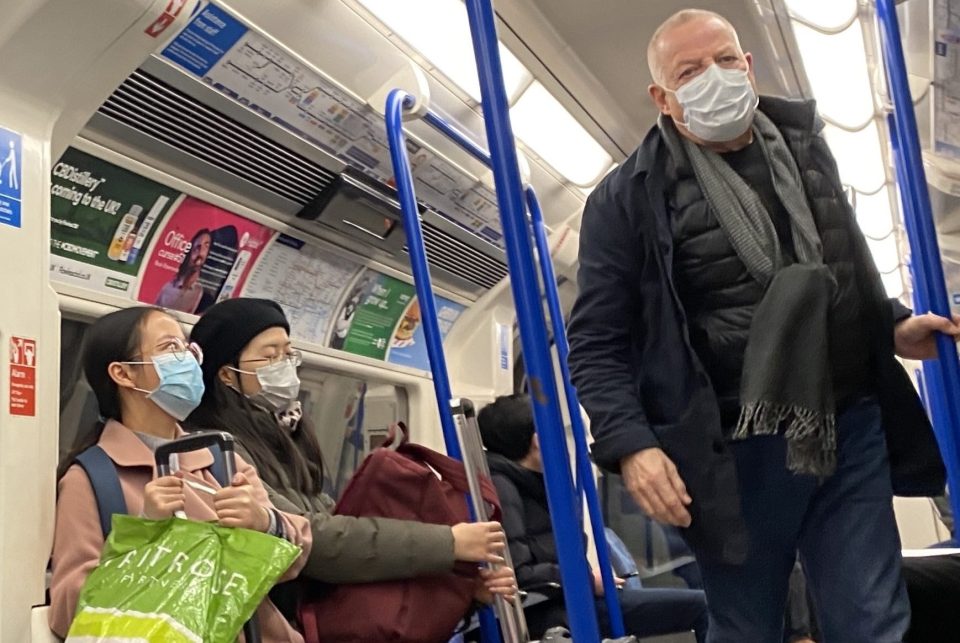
(77, 543)
(297, 527)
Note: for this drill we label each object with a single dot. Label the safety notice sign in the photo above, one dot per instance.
(23, 376)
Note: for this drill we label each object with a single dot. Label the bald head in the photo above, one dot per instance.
(660, 47)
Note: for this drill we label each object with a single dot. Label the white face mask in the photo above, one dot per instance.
(279, 386)
(718, 104)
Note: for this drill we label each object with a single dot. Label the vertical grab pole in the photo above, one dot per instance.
(943, 390)
(577, 585)
(396, 101)
(584, 468)
(929, 379)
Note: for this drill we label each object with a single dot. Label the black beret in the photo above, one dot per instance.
(228, 326)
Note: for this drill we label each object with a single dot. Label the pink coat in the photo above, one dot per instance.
(78, 539)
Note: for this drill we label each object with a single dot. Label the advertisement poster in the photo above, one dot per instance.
(946, 108)
(367, 319)
(408, 346)
(202, 256)
(380, 318)
(102, 220)
(305, 280)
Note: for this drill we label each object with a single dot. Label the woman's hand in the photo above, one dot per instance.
(236, 506)
(496, 582)
(479, 542)
(162, 497)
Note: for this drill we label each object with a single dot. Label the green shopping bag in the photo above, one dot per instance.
(177, 581)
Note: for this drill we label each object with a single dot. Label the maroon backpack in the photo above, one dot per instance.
(401, 484)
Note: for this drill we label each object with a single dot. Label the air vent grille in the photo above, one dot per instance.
(459, 258)
(152, 107)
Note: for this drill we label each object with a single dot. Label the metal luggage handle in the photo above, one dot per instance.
(196, 442)
(227, 446)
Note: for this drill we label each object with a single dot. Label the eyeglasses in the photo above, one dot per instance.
(176, 347)
(293, 356)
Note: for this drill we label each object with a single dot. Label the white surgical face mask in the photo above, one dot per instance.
(279, 386)
(718, 104)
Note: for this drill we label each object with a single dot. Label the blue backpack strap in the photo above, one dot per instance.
(106, 485)
(219, 468)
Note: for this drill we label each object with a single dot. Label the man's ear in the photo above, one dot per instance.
(751, 71)
(659, 96)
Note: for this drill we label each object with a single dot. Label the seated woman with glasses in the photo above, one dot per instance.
(147, 379)
(252, 389)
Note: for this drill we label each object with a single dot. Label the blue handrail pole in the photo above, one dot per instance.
(584, 467)
(929, 376)
(481, 154)
(397, 100)
(929, 379)
(574, 572)
(943, 391)
(458, 137)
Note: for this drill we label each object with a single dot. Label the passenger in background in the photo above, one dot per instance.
(513, 451)
(252, 388)
(734, 348)
(146, 379)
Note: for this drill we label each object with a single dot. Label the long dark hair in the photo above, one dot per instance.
(274, 450)
(112, 338)
(185, 264)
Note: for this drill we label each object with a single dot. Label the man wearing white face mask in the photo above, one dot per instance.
(734, 349)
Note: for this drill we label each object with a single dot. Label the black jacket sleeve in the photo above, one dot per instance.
(606, 316)
(529, 571)
(898, 310)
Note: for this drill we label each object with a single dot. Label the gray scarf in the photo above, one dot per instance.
(786, 370)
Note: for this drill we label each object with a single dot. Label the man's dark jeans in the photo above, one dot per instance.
(843, 527)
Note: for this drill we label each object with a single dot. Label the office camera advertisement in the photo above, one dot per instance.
(203, 255)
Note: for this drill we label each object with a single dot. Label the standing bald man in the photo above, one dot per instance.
(734, 349)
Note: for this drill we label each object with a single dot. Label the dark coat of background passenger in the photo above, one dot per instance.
(637, 375)
(526, 521)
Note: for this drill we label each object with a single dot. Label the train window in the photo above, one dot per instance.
(351, 415)
(78, 407)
